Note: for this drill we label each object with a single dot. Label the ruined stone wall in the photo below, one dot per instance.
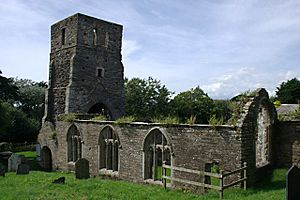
(287, 144)
(249, 126)
(192, 146)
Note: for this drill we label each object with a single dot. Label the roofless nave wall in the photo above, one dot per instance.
(86, 76)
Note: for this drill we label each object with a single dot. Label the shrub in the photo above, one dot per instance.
(125, 119)
(100, 118)
(191, 120)
(216, 121)
(167, 120)
(70, 117)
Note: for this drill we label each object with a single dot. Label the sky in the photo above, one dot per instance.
(224, 46)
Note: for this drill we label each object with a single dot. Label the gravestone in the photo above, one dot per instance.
(293, 183)
(13, 162)
(82, 169)
(23, 169)
(60, 180)
(38, 152)
(2, 171)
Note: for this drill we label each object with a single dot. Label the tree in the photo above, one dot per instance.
(223, 109)
(146, 98)
(192, 103)
(8, 90)
(289, 92)
(16, 126)
(31, 98)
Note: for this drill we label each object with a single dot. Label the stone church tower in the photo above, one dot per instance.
(86, 72)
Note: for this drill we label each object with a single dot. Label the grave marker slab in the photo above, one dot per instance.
(293, 183)
(23, 169)
(82, 169)
(2, 171)
(13, 162)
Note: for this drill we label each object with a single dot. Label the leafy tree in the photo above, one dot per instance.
(192, 103)
(15, 126)
(5, 117)
(146, 98)
(289, 92)
(8, 90)
(31, 97)
(223, 109)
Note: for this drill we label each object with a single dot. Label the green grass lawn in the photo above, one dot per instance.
(38, 185)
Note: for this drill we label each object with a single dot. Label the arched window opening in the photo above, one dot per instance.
(108, 147)
(100, 109)
(263, 136)
(74, 144)
(156, 152)
(95, 37)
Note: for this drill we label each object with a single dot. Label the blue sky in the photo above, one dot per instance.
(225, 47)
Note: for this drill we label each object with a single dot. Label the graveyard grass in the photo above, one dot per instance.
(38, 185)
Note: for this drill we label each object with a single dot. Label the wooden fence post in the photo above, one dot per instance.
(221, 184)
(164, 173)
(245, 176)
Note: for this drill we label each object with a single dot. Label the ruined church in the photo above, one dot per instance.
(86, 76)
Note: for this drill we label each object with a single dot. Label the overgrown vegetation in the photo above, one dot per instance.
(100, 118)
(21, 109)
(125, 119)
(291, 116)
(70, 117)
(166, 120)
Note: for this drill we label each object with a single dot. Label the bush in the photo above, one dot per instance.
(166, 120)
(216, 121)
(100, 118)
(191, 120)
(70, 117)
(125, 119)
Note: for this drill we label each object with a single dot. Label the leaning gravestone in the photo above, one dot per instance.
(82, 169)
(293, 183)
(13, 162)
(23, 169)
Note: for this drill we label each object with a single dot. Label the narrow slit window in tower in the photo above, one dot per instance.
(63, 36)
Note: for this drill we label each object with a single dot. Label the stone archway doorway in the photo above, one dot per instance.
(46, 159)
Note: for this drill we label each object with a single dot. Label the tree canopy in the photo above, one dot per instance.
(146, 98)
(289, 91)
(21, 108)
(193, 102)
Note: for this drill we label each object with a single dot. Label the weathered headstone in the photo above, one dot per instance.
(293, 183)
(13, 162)
(38, 152)
(23, 169)
(82, 169)
(2, 171)
(60, 180)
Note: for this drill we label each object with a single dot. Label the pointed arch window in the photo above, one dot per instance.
(74, 143)
(108, 150)
(156, 151)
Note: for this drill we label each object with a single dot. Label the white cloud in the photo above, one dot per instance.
(184, 44)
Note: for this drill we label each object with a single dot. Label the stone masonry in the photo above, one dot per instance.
(85, 68)
(86, 76)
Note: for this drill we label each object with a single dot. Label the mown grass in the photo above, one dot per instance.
(38, 185)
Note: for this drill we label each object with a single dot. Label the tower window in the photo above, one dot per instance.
(94, 36)
(63, 36)
(100, 72)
